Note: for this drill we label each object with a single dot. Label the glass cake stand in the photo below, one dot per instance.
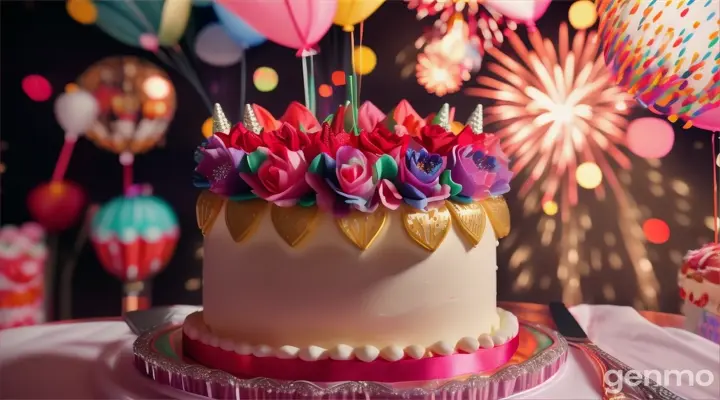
(542, 351)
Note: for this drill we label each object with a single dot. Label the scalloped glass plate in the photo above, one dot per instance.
(542, 351)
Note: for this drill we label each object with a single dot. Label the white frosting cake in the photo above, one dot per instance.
(394, 295)
(378, 244)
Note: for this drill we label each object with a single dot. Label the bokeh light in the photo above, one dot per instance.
(71, 87)
(550, 207)
(710, 223)
(207, 127)
(36, 87)
(156, 87)
(364, 60)
(717, 160)
(265, 79)
(82, 11)
(325, 90)
(582, 14)
(588, 175)
(456, 127)
(656, 231)
(650, 137)
(338, 78)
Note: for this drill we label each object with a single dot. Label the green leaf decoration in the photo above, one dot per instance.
(243, 196)
(461, 199)
(317, 165)
(446, 179)
(329, 119)
(255, 160)
(307, 201)
(302, 128)
(385, 168)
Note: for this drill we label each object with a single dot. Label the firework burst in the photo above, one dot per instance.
(557, 109)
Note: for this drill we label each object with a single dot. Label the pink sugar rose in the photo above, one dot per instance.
(344, 182)
(280, 178)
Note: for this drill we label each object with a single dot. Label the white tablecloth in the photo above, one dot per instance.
(61, 361)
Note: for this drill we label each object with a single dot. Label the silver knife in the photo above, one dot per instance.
(635, 386)
(147, 320)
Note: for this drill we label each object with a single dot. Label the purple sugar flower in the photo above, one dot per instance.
(478, 173)
(419, 179)
(218, 164)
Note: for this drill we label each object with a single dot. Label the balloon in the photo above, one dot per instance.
(56, 205)
(525, 11)
(351, 12)
(709, 120)
(242, 33)
(134, 236)
(298, 24)
(214, 46)
(650, 137)
(128, 21)
(76, 111)
(664, 53)
(136, 100)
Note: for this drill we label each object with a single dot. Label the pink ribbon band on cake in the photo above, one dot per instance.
(407, 370)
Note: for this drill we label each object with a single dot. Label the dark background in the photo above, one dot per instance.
(40, 38)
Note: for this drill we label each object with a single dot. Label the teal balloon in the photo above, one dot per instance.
(126, 21)
(128, 218)
(238, 30)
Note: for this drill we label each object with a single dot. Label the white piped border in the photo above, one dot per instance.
(195, 328)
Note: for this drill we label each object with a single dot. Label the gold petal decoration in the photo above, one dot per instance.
(471, 218)
(293, 224)
(499, 215)
(243, 217)
(207, 209)
(362, 228)
(427, 228)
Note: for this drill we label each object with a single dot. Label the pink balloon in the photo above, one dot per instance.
(709, 120)
(298, 24)
(525, 11)
(650, 137)
(37, 87)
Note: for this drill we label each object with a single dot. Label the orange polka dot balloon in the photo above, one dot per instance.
(665, 52)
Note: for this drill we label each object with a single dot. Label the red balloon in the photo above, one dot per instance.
(56, 205)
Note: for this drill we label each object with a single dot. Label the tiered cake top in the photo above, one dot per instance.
(342, 165)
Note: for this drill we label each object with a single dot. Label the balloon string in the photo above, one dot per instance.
(362, 29)
(188, 73)
(63, 160)
(353, 84)
(127, 177)
(715, 184)
(311, 83)
(305, 81)
(243, 84)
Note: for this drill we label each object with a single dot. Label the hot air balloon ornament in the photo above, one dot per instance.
(135, 235)
(23, 254)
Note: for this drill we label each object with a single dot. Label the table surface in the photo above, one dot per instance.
(63, 360)
(540, 314)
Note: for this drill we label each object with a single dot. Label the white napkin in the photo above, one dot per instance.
(642, 345)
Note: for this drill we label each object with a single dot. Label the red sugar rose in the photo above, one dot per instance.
(244, 139)
(381, 141)
(435, 139)
(286, 137)
(328, 140)
(468, 137)
(300, 118)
